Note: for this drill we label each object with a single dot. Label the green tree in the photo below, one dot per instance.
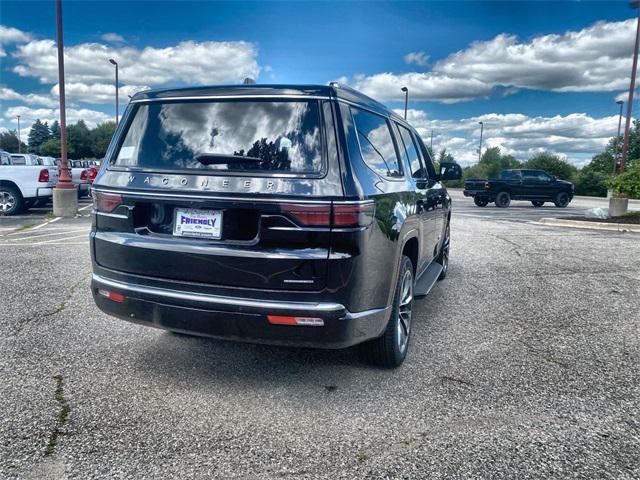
(628, 183)
(51, 148)
(100, 138)
(55, 129)
(553, 165)
(592, 178)
(38, 134)
(79, 139)
(9, 142)
(491, 164)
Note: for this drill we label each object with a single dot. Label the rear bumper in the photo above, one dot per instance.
(478, 193)
(235, 318)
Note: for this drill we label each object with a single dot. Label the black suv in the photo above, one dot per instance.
(292, 215)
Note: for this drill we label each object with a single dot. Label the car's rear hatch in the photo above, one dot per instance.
(229, 192)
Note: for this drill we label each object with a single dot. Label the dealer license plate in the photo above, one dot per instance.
(197, 223)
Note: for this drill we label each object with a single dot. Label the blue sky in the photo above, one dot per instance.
(542, 75)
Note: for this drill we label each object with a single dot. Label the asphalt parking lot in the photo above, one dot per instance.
(523, 364)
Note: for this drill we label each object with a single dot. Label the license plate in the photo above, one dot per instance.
(197, 223)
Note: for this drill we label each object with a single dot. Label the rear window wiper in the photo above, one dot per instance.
(224, 159)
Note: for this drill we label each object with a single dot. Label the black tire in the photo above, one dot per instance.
(390, 349)
(480, 201)
(11, 201)
(443, 257)
(503, 199)
(562, 199)
(537, 203)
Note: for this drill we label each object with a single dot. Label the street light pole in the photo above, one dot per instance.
(65, 198)
(113, 62)
(406, 100)
(480, 149)
(625, 147)
(19, 136)
(615, 155)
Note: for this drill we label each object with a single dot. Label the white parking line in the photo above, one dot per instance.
(84, 208)
(86, 235)
(46, 223)
(62, 232)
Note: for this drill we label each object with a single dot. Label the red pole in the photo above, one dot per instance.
(64, 179)
(625, 146)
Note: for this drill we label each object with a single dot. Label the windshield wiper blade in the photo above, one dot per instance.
(223, 158)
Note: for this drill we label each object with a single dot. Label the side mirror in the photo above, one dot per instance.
(450, 171)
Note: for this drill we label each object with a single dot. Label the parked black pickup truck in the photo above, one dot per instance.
(533, 185)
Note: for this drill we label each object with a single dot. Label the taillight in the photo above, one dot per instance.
(84, 175)
(106, 202)
(44, 175)
(92, 174)
(487, 185)
(340, 215)
(353, 214)
(308, 214)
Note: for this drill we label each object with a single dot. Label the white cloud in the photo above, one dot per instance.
(575, 137)
(13, 35)
(189, 62)
(97, 93)
(29, 98)
(112, 37)
(29, 115)
(596, 58)
(419, 58)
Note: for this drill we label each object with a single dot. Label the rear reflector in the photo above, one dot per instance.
(305, 321)
(106, 202)
(116, 297)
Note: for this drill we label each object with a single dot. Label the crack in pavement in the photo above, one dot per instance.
(63, 416)
(59, 308)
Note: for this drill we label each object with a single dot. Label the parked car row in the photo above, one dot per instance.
(27, 180)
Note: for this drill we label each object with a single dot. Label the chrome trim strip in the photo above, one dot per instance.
(189, 195)
(112, 215)
(232, 97)
(323, 307)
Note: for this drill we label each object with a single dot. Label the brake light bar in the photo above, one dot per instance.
(340, 215)
(106, 202)
(288, 320)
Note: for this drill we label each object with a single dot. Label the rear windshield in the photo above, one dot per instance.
(236, 135)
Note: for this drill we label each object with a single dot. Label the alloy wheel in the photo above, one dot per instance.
(404, 310)
(7, 201)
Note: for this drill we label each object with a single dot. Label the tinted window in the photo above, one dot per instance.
(18, 160)
(411, 149)
(376, 143)
(238, 135)
(510, 175)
